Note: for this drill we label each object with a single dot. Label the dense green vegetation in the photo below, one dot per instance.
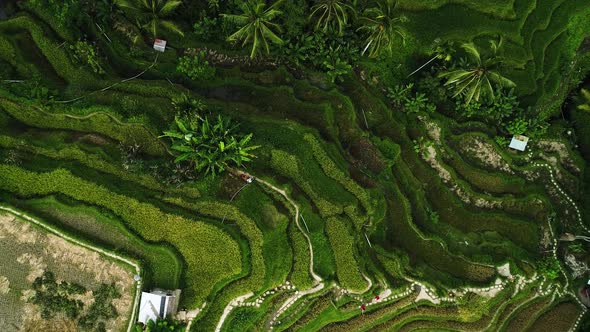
(55, 298)
(380, 133)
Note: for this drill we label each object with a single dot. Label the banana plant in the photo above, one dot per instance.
(209, 146)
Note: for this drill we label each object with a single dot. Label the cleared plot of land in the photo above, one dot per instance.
(28, 252)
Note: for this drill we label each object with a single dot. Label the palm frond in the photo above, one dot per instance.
(169, 7)
(171, 26)
(472, 51)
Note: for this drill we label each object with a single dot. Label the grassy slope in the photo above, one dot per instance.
(263, 109)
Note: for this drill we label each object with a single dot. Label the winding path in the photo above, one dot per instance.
(426, 292)
(368, 288)
(282, 192)
(230, 306)
(564, 194)
(318, 280)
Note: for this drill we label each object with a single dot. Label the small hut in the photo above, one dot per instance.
(158, 304)
(519, 142)
(160, 45)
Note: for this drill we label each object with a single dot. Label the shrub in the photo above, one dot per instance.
(209, 147)
(388, 148)
(161, 325)
(419, 103)
(84, 54)
(502, 141)
(54, 298)
(517, 126)
(399, 93)
(549, 267)
(207, 29)
(319, 49)
(196, 67)
(102, 309)
(467, 110)
(336, 69)
(66, 13)
(187, 106)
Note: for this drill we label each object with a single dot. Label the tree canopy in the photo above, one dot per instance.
(150, 14)
(382, 24)
(256, 26)
(477, 76)
(209, 146)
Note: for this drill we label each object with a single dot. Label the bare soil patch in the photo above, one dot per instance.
(28, 252)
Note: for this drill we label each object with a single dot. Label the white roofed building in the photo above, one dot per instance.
(158, 304)
(519, 142)
(160, 45)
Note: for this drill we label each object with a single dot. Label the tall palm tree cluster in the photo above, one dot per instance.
(380, 23)
(256, 20)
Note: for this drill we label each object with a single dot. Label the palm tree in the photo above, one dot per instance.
(441, 52)
(475, 79)
(256, 25)
(210, 147)
(383, 27)
(585, 105)
(150, 14)
(330, 13)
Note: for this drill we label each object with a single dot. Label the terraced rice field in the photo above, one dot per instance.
(330, 223)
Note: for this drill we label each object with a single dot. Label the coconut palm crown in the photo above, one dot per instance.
(150, 14)
(383, 27)
(331, 13)
(478, 76)
(256, 24)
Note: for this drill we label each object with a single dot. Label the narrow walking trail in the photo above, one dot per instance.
(238, 301)
(230, 307)
(282, 192)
